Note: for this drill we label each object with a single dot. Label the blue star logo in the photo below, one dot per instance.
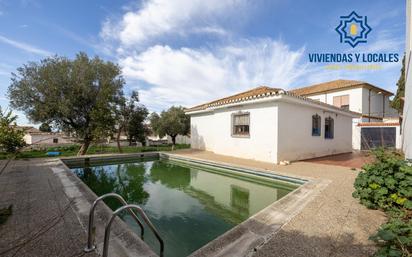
(353, 29)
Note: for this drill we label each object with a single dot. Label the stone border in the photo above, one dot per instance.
(242, 240)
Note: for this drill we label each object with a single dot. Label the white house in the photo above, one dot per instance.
(371, 102)
(34, 137)
(271, 125)
(407, 108)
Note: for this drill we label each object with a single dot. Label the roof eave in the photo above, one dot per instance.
(317, 104)
(363, 84)
(252, 100)
(279, 97)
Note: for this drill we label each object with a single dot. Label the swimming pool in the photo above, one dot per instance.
(189, 203)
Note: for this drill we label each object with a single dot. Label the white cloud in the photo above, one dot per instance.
(155, 18)
(191, 76)
(211, 30)
(24, 46)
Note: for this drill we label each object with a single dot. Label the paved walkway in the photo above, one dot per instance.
(333, 224)
(43, 222)
(351, 160)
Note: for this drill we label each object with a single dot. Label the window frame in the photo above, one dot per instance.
(329, 121)
(232, 125)
(339, 99)
(318, 119)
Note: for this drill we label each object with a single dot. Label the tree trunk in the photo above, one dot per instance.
(119, 131)
(173, 141)
(84, 147)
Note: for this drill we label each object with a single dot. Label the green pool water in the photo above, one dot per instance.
(190, 205)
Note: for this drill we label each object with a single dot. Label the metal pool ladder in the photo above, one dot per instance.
(125, 206)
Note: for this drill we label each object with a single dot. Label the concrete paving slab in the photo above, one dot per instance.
(354, 160)
(43, 222)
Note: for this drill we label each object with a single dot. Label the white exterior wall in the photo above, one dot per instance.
(355, 98)
(407, 109)
(27, 139)
(359, 101)
(356, 134)
(279, 131)
(212, 132)
(45, 139)
(356, 104)
(398, 138)
(295, 140)
(179, 139)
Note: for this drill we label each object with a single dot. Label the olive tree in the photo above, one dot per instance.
(136, 129)
(172, 122)
(77, 96)
(130, 118)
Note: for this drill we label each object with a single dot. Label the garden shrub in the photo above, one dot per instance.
(385, 183)
(395, 238)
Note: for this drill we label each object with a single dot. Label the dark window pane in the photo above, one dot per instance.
(316, 125)
(345, 107)
(378, 137)
(329, 128)
(241, 124)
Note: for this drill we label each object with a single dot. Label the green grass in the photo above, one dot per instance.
(72, 150)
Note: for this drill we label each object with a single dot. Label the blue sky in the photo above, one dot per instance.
(185, 52)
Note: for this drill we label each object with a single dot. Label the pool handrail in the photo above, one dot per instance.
(145, 218)
(90, 233)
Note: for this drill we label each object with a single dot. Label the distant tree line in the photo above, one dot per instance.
(85, 97)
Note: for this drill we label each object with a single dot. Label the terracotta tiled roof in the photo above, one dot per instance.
(254, 93)
(334, 85)
(261, 92)
(378, 124)
(372, 117)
